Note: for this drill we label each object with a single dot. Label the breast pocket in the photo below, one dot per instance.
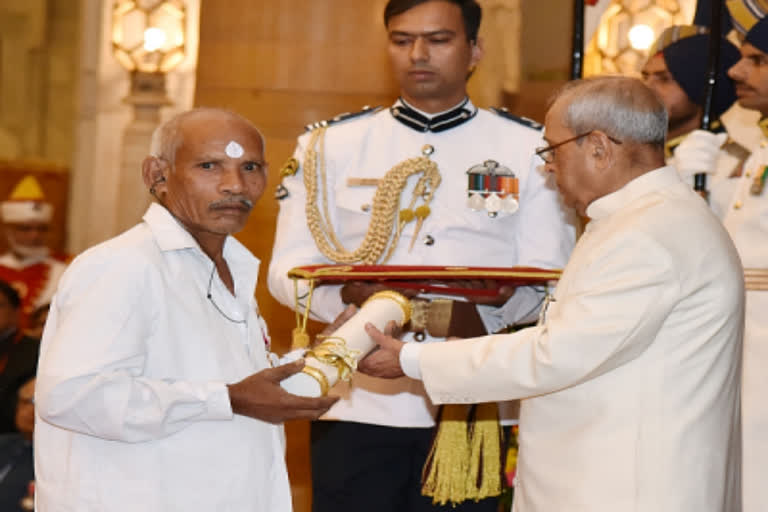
(454, 224)
(353, 213)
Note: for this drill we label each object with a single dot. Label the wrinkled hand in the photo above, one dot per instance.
(260, 396)
(698, 153)
(384, 361)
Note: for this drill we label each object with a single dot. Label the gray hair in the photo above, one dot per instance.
(168, 137)
(621, 107)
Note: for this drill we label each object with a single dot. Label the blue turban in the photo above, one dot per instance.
(687, 59)
(758, 35)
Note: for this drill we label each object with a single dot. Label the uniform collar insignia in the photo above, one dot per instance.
(421, 122)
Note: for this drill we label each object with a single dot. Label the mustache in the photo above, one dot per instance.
(237, 201)
(742, 85)
(421, 69)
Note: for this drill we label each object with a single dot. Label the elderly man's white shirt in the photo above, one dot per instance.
(633, 377)
(540, 234)
(133, 409)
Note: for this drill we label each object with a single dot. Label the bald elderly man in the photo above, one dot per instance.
(154, 390)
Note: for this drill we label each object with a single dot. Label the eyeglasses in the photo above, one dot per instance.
(548, 153)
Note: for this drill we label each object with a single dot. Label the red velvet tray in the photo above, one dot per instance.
(433, 279)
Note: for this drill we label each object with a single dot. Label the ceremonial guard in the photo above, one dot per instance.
(476, 197)
(28, 265)
(677, 72)
(746, 220)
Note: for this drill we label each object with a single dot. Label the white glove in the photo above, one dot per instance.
(698, 153)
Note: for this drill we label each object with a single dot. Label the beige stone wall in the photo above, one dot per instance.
(39, 43)
(62, 52)
(98, 197)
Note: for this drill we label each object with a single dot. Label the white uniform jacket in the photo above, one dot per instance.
(746, 220)
(730, 159)
(132, 407)
(539, 234)
(630, 383)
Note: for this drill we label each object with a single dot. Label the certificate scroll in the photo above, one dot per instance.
(336, 357)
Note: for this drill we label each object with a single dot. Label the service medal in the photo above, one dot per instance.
(493, 188)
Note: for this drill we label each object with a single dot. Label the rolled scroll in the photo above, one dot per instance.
(336, 357)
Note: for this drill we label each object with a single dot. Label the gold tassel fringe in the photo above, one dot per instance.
(484, 474)
(465, 460)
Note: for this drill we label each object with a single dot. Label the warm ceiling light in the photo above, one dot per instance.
(149, 35)
(641, 37)
(154, 39)
(627, 31)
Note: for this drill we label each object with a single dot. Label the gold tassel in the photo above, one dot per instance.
(484, 475)
(465, 460)
(299, 338)
(444, 476)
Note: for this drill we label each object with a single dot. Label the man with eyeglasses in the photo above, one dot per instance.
(630, 381)
(154, 389)
(376, 439)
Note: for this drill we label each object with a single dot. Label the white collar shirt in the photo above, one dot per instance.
(133, 409)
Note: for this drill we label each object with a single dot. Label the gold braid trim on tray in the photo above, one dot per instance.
(402, 273)
(379, 242)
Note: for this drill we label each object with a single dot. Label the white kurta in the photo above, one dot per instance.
(538, 235)
(631, 382)
(746, 220)
(133, 410)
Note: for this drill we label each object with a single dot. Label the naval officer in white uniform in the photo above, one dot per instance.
(371, 449)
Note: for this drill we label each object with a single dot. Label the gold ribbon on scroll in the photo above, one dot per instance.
(336, 356)
(333, 351)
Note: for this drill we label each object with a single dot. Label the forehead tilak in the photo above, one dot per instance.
(234, 149)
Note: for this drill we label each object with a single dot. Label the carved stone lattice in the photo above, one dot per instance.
(610, 51)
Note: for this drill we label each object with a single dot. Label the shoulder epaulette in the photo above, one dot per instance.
(506, 114)
(343, 117)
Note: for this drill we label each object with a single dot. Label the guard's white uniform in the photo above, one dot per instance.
(746, 220)
(539, 234)
(730, 158)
